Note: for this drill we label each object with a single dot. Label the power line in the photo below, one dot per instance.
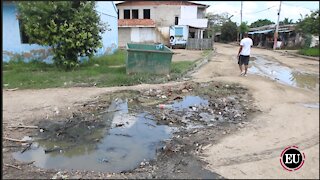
(262, 10)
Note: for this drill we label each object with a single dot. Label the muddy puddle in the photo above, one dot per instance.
(128, 130)
(119, 142)
(283, 74)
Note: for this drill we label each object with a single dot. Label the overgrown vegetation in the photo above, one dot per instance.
(229, 31)
(102, 71)
(215, 22)
(261, 22)
(70, 28)
(310, 24)
(243, 28)
(315, 52)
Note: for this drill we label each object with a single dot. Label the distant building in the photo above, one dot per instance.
(149, 21)
(287, 36)
(15, 42)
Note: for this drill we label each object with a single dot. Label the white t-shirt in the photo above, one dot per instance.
(246, 44)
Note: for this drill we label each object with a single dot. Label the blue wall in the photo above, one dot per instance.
(109, 14)
(11, 40)
(12, 45)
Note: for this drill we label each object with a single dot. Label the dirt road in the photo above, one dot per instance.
(254, 151)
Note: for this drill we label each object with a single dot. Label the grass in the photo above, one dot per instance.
(315, 52)
(103, 71)
(206, 52)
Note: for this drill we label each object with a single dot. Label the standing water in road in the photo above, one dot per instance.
(119, 144)
(283, 74)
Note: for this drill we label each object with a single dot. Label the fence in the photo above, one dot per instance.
(199, 44)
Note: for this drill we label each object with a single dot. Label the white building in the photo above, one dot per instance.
(149, 21)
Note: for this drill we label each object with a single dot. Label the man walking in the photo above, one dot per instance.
(244, 53)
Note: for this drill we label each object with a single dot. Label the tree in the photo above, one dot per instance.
(243, 27)
(70, 28)
(229, 31)
(215, 21)
(261, 22)
(309, 24)
(286, 21)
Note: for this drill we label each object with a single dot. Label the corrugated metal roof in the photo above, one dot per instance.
(287, 30)
(261, 32)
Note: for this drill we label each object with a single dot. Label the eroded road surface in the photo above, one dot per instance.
(215, 125)
(286, 90)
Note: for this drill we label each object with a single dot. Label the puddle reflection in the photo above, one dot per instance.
(131, 139)
(283, 74)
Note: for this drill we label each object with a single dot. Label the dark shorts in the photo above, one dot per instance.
(243, 60)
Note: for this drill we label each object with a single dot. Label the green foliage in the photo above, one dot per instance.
(261, 22)
(229, 31)
(70, 28)
(309, 24)
(116, 59)
(243, 27)
(310, 52)
(308, 39)
(215, 22)
(286, 21)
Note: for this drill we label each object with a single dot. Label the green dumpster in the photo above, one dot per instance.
(148, 58)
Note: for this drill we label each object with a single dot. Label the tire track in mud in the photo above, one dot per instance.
(267, 154)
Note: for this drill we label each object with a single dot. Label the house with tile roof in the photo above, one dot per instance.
(150, 21)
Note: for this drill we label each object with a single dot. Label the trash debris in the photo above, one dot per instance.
(184, 90)
(178, 97)
(119, 125)
(163, 106)
(59, 175)
(237, 115)
(26, 138)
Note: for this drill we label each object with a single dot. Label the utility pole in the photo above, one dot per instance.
(277, 28)
(241, 19)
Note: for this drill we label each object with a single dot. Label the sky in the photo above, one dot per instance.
(254, 10)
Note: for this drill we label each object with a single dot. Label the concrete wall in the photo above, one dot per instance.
(137, 35)
(13, 47)
(189, 12)
(163, 15)
(124, 36)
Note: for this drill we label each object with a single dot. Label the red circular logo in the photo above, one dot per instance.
(291, 158)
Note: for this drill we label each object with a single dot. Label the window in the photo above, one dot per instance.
(23, 36)
(135, 14)
(118, 14)
(178, 31)
(146, 14)
(176, 20)
(126, 14)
